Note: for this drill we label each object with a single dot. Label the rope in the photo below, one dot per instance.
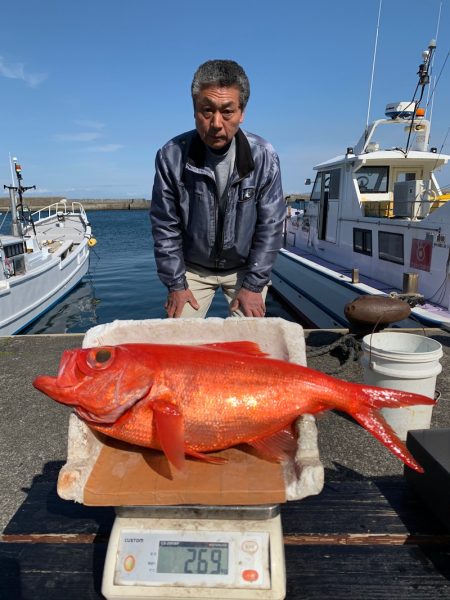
(349, 347)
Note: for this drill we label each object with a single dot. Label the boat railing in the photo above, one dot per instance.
(59, 208)
(385, 208)
(77, 207)
(439, 201)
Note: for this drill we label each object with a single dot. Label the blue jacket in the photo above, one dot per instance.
(187, 230)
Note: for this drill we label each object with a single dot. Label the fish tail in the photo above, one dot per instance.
(377, 397)
(365, 412)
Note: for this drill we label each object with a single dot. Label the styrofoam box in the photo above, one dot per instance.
(304, 475)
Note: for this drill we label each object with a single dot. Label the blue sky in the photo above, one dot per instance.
(91, 89)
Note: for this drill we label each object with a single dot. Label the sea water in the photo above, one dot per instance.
(122, 282)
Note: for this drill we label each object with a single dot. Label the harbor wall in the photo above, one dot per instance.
(35, 203)
(89, 204)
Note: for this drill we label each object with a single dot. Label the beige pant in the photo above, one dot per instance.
(204, 285)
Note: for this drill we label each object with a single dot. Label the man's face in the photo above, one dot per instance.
(218, 115)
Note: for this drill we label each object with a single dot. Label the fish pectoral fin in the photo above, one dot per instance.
(169, 425)
(239, 347)
(279, 446)
(382, 431)
(216, 460)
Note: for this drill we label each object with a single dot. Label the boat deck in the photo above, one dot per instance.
(369, 281)
(367, 535)
(71, 228)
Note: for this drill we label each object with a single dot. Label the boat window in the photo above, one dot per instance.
(404, 176)
(335, 178)
(362, 241)
(390, 246)
(14, 249)
(327, 182)
(315, 194)
(372, 180)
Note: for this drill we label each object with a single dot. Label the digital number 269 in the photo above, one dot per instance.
(198, 564)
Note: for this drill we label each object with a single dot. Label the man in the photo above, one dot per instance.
(217, 207)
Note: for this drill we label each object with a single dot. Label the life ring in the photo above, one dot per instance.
(91, 242)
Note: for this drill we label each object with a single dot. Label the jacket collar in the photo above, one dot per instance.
(244, 160)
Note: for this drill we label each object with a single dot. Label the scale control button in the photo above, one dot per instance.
(249, 546)
(250, 575)
(129, 563)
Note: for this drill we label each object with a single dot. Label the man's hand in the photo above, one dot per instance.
(250, 303)
(176, 301)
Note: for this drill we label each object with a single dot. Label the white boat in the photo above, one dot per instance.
(377, 223)
(43, 258)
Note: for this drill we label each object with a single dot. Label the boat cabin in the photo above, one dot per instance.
(12, 256)
(393, 183)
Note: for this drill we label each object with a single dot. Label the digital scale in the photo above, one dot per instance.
(196, 552)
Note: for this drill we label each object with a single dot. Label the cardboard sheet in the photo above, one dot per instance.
(126, 475)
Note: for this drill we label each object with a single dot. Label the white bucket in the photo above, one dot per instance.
(403, 361)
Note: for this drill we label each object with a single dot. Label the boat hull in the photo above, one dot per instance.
(25, 299)
(319, 295)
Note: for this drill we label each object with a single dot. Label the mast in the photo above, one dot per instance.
(424, 80)
(17, 212)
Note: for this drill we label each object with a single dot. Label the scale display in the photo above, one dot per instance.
(201, 558)
(193, 558)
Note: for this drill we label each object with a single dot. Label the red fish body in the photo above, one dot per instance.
(196, 399)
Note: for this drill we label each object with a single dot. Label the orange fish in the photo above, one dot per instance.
(196, 399)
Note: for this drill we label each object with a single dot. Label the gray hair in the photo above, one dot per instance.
(222, 73)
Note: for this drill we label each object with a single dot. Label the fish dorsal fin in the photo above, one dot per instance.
(238, 347)
(169, 425)
(279, 446)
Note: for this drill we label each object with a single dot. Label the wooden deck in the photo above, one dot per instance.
(357, 539)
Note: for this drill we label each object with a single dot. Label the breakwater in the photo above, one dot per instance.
(89, 204)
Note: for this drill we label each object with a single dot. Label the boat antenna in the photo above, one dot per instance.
(373, 64)
(424, 80)
(436, 38)
(440, 73)
(432, 95)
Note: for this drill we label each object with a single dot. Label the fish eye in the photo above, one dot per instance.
(100, 358)
(103, 355)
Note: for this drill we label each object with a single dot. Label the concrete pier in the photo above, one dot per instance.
(358, 469)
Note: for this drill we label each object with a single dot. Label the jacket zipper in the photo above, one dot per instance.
(232, 184)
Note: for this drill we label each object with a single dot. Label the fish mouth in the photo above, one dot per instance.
(45, 383)
(50, 386)
(68, 377)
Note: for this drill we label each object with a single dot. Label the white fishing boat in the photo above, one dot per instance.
(43, 258)
(377, 223)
